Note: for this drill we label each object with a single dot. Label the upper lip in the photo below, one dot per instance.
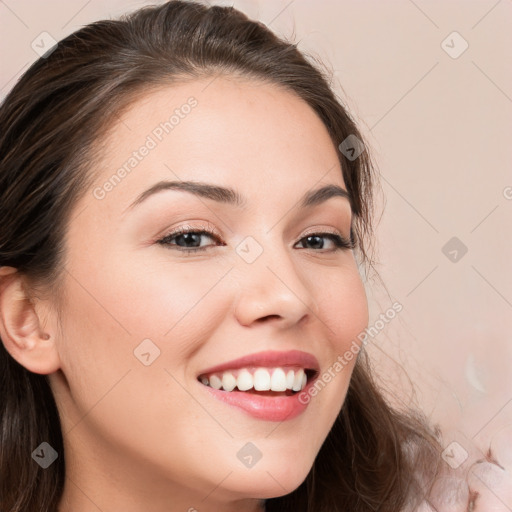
(269, 359)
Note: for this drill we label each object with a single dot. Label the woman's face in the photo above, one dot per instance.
(143, 320)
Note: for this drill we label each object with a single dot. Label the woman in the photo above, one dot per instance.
(186, 211)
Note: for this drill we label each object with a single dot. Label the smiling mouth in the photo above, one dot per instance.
(278, 381)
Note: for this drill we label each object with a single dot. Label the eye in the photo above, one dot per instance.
(187, 239)
(317, 240)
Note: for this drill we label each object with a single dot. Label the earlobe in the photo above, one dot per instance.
(21, 330)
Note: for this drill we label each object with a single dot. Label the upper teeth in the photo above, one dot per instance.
(262, 379)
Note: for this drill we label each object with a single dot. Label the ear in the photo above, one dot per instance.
(21, 329)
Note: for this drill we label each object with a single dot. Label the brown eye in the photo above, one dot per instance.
(317, 241)
(188, 240)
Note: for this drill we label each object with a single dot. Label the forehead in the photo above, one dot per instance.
(246, 134)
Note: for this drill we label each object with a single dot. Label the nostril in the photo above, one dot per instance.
(268, 316)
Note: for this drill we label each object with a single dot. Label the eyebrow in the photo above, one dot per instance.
(232, 197)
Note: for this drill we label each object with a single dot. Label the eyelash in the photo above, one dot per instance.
(340, 242)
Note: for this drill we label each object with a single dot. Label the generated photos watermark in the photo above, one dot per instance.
(156, 136)
(344, 359)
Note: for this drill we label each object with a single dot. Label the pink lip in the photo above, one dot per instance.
(269, 359)
(269, 408)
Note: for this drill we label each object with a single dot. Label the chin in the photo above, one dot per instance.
(270, 482)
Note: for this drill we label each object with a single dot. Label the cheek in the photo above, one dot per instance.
(160, 298)
(118, 312)
(346, 315)
(343, 316)
(114, 395)
(342, 301)
(131, 299)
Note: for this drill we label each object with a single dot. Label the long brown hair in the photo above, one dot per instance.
(374, 457)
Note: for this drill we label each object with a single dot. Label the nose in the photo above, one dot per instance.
(272, 289)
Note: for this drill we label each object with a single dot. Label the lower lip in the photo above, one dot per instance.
(269, 408)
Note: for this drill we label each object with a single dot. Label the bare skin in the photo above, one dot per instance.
(149, 437)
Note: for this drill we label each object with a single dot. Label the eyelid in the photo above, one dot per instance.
(185, 228)
(315, 231)
(211, 229)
